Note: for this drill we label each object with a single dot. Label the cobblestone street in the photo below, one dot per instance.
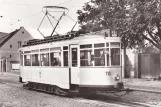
(12, 94)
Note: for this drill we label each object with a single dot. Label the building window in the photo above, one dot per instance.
(19, 44)
(55, 58)
(10, 46)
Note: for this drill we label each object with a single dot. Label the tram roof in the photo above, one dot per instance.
(71, 36)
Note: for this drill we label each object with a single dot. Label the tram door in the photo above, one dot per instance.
(74, 64)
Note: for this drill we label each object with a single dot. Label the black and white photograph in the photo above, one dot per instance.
(80, 53)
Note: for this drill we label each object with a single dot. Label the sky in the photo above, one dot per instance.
(28, 13)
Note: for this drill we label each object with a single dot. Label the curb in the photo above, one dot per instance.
(9, 74)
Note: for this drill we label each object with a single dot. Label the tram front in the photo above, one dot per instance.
(100, 65)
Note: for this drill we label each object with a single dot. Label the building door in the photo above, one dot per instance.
(74, 64)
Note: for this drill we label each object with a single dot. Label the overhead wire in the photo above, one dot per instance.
(32, 5)
(18, 20)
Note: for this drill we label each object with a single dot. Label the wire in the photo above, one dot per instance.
(65, 2)
(70, 18)
(33, 5)
(21, 4)
(27, 18)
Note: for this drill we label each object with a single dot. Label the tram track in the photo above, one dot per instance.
(100, 98)
(117, 100)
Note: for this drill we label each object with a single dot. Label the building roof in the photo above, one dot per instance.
(4, 38)
(2, 34)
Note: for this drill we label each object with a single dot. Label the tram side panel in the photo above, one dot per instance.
(55, 76)
(46, 75)
(26, 73)
(35, 77)
(99, 76)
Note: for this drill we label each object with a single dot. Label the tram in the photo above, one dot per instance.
(72, 63)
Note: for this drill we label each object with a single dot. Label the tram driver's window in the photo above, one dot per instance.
(27, 60)
(99, 57)
(45, 59)
(115, 56)
(55, 58)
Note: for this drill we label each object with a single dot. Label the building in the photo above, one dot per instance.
(9, 45)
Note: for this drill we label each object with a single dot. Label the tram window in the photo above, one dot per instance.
(35, 60)
(74, 57)
(107, 56)
(115, 56)
(27, 51)
(99, 45)
(115, 44)
(65, 48)
(55, 49)
(86, 46)
(85, 58)
(27, 60)
(107, 44)
(44, 50)
(55, 58)
(21, 60)
(45, 59)
(65, 58)
(99, 57)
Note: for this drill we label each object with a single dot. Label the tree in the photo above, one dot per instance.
(136, 21)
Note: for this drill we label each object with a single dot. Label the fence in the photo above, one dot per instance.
(149, 65)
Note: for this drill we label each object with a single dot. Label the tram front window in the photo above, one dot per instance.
(115, 56)
(99, 57)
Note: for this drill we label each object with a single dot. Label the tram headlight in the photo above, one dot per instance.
(117, 77)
